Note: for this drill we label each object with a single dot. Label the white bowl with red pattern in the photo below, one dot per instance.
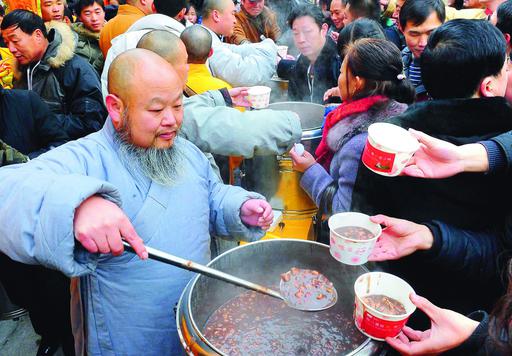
(369, 320)
(259, 96)
(348, 250)
(388, 149)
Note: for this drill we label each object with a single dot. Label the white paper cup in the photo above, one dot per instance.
(282, 51)
(388, 149)
(347, 250)
(259, 96)
(373, 323)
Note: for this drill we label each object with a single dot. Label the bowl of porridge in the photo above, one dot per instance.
(352, 237)
(382, 304)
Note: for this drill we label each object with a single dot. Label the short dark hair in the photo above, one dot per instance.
(417, 11)
(365, 8)
(310, 10)
(504, 15)
(465, 50)
(379, 62)
(25, 20)
(82, 4)
(360, 28)
(170, 8)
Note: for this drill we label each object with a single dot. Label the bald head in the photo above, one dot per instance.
(198, 42)
(163, 43)
(131, 69)
(168, 46)
(210, 5)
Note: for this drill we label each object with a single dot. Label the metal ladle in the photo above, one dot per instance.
(289, 293)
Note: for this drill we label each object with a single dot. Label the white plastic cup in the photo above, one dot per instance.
(388, 149)
(282, 51)
(347, 250)
(373, 323)
(259, 96)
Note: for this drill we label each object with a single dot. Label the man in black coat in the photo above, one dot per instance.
(49, 66)
(27, 129)
(464, 69)
(318, 66)
(27, 124)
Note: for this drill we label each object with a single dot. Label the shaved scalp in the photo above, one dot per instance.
(163, 43)
(128, 71)
(210, 5)
(198, 42)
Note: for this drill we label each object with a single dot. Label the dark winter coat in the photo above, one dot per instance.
(67, 83)
(467, 201)
(88, 46)
(27, 124)
(325, 73)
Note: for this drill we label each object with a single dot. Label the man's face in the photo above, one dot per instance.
(52, 10)
(155, 110)
(308, 36)
(227, 19)
(93, 17)
(416, 37)
(337, 13)
(398, 7)
(253, 8)
(348, 18)
(24, 47)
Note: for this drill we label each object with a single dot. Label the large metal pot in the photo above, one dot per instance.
(263, 262)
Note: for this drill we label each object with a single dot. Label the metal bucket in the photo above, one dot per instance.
(263, 262)
(273, 176)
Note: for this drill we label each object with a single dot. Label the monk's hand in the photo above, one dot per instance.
(448, 330)
(239, 96)
(302, 162)
(399, 238)
(100, 226)
(257, 212)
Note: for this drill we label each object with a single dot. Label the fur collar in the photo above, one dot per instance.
(62, 44)
(83, 31)
(355, 124)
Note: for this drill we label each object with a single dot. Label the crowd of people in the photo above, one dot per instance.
(123, 120)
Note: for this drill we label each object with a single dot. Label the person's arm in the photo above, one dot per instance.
(275, 31)
(238, 36)
(441, 159)
(226, 131)
(235, 214)
(43, 196)
(85, 110)
(246, 64)
(47, 126)
(315, 179)
(473, 254)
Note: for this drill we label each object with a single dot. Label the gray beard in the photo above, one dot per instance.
(159, 165)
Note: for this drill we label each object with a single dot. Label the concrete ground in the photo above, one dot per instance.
(17, 338)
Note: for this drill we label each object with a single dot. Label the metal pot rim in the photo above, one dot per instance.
(193, 282)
